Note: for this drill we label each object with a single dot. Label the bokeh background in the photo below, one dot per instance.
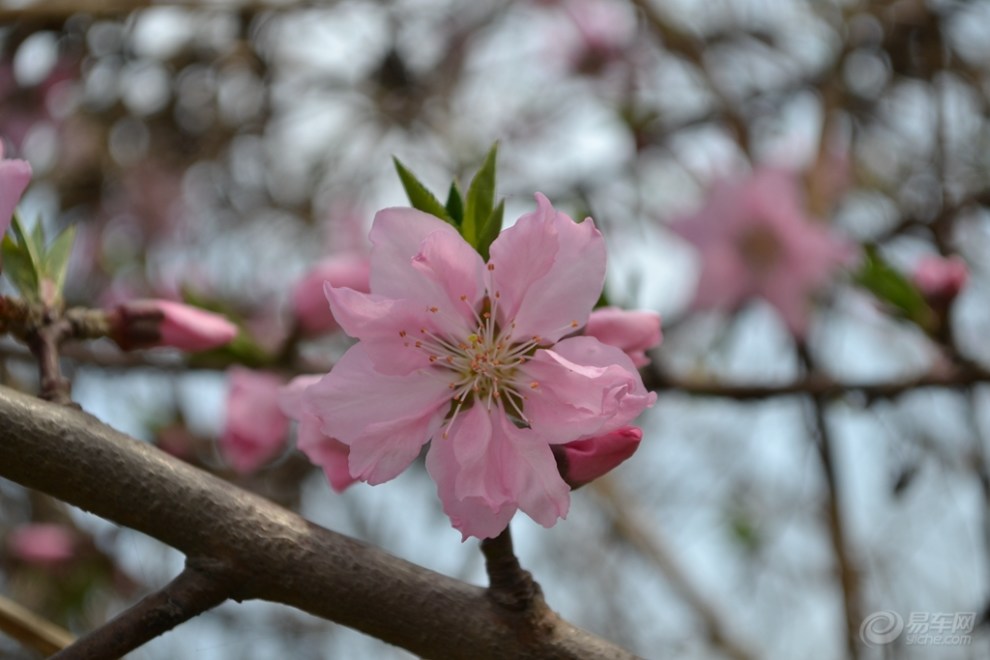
(214, 152)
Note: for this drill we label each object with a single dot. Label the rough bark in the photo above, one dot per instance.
(268, 552)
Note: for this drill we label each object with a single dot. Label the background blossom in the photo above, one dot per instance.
(755, 240)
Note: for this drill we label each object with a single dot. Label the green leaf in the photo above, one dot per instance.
(38, 236)
(890, 286)
(18, 268)
(480, 199)
(602, 301)
(33, 251)
(455, 204)
(490, 229)
(243, 350)
(57, 258)
(419, 196)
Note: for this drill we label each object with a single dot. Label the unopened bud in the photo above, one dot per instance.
(940, 278)
(148, 323)
(583, 461)
(43, 544)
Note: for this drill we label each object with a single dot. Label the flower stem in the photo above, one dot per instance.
(511, 586)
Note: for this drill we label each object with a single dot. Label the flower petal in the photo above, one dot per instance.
(479, 472)
(417, 257)
(309, 304)
(634, 332)
(387, 328)
(384, 419)
(530, 473)
(14, 178)
(292, 397)
(471, 515)
(547, 272)
(329, 453)
(581, 388)
(453, 266)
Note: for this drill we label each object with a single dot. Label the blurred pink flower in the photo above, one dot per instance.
(474, 357)
(14, 178)
(329, 453)
(24, 106)
(585, 460)
(605, 29)
(309, 302)
(154, 322)
(940, 278)
(635, 332)
(44, 544)
(256, 429)
(756, 240)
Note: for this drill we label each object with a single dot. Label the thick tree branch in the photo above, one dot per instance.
(273, 554)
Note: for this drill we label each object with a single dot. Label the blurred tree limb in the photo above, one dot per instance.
(30, 629)
(246, 547)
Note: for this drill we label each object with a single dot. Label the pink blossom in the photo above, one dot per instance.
(940, 278)
(474, 357)
(14, 178)
(329, 453)
(585, 460)
(45, 544)
(756, 240)
(155, 322)
(635, 332)
(309, 302)
(605, 29)
(256, 429)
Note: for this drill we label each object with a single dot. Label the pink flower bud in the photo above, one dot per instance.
(44, 544)
(940, 278)
(583, 461)
(147, 323)
(14, 178)
(634, 332)
(256, 429)
(309, 302)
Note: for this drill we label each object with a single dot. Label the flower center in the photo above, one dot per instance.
(486, 363)
(760, 248)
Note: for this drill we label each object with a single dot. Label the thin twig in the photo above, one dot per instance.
(201, 586)
(45, 343)
(819, 385)
(632, 525)
(31, 630)
(845, 565)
